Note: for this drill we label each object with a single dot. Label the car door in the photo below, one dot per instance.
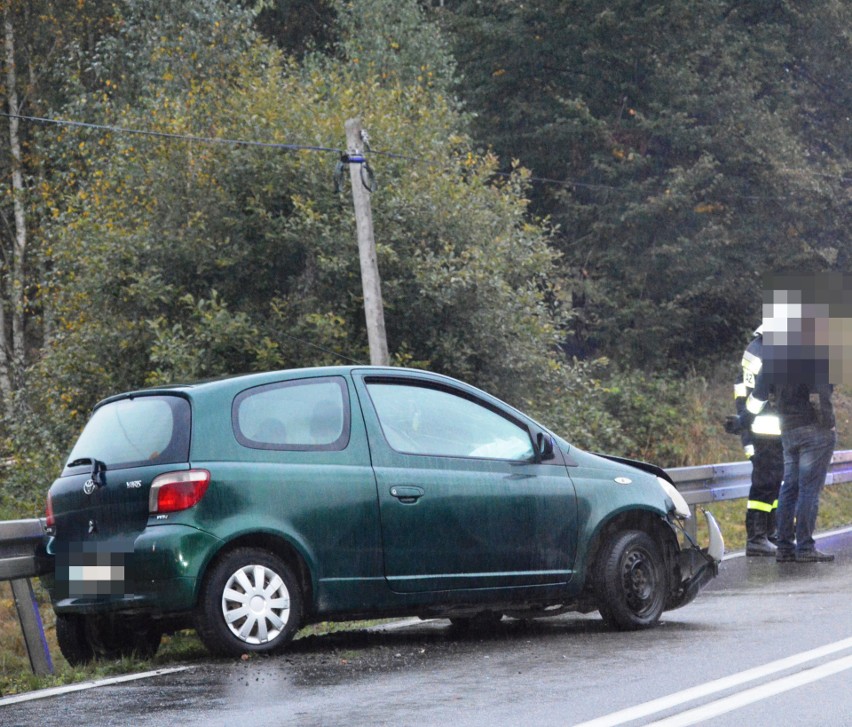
(463, 503)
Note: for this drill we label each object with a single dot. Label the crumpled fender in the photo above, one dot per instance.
(698, 566)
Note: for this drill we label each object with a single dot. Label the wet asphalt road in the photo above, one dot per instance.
(560, 671)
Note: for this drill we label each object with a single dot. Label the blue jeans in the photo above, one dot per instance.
(807, 454)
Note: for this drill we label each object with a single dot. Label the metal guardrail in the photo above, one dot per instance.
(732, 480)
(711, 483)
(22, 558)
(22, 541)
(20, 549)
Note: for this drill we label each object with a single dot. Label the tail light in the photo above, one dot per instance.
(50, 520)
(175, 491)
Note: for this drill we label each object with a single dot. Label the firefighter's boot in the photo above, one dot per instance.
(771, 527)
(757, 544)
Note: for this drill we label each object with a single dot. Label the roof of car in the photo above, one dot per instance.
(262, 377)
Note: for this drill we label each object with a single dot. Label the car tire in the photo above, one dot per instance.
(250, 602)
(630, 581)
(115, 637)
(71, 637)
(85, 638)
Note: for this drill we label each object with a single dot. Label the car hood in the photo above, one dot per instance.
(639, 465)
(595, 460)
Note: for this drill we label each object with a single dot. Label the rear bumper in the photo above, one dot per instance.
(157, 572)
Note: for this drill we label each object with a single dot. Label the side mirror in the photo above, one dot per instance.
(543, 447)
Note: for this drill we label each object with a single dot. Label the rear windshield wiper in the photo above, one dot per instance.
(98, 468)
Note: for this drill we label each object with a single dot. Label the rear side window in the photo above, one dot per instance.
(136, 432)
(308, 414)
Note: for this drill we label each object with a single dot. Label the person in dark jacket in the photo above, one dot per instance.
(808, 437)
(796, 374)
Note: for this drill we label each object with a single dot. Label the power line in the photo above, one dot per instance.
(321, 348)
(263, 144)
(336, 150)
(170, 135)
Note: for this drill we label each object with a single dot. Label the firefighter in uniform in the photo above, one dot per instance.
(761, 438)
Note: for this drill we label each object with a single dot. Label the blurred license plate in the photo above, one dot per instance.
(91, 572)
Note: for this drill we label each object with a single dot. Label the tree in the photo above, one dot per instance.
(298, 27)
(693, 148)
(178, 259)
(39, 38)
(393, 40)
(11, 367)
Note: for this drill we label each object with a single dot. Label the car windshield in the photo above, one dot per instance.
(135, 432)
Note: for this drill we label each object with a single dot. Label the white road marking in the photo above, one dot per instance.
(58, 691)
(755, 694)
(718, 685)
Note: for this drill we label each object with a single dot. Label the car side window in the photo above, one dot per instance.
(435, 421)
(306, 414)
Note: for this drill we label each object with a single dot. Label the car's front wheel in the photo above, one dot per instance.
(630, 581)
(250, 602)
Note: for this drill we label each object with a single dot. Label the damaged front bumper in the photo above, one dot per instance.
(698, 566)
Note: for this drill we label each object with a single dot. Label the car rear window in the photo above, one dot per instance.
(307, 414)
(135, 432)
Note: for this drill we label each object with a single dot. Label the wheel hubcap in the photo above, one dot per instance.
(256, 604)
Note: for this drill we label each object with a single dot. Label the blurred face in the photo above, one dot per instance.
(782, 315)
(807, 332)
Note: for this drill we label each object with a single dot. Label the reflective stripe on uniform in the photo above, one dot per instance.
(752, 363)
(754, 405)
(758, 505)
(767, 424)
(740, 391)
(751, 368)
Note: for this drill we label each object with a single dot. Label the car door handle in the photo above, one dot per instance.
(407, 494)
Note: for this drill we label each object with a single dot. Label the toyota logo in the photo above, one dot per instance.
(89, 486)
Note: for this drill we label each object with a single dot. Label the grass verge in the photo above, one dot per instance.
(184, 647)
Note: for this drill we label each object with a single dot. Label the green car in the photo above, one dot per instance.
(251, 506)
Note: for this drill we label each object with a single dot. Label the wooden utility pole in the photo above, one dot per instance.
(370, 280)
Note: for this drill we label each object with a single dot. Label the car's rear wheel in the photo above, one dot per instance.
(84, 638)
(250, 602)
(630, 581)
(71, 636)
